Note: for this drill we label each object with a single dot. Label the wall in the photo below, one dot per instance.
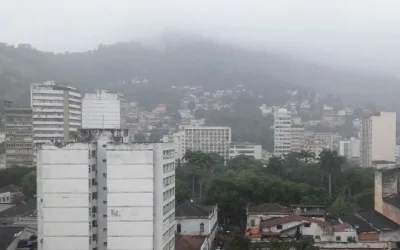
(344, 236)
(64, 197)
(5, 198)
(384, 137)
(129, 198)
(101, 113)
(313, 230)
(192, 226)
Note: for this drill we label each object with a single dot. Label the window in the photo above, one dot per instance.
(93, 153)
(279, 227)
(317, 237)
(253, 223)
(201, 227)
(307, 224)
(178, 228)
(337, 238)
(105, 243)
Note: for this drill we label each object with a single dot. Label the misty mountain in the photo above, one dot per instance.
(186, 61)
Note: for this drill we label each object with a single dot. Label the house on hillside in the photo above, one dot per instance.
(265, 211)
(291, 227)
(198, 221)
(11, 194)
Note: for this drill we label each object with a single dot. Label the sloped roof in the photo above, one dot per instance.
(11, 188)
(269, 208)
(186, 242)
(341, 227)
(7, 236)
(291, 218)
(191, 209)
(370, 221)
(23, 209)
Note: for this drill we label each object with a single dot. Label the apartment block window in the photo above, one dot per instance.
(94, 154)
(201, 227)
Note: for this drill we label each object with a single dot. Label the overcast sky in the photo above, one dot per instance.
(356, 33)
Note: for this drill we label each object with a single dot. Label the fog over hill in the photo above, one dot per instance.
(187, 60)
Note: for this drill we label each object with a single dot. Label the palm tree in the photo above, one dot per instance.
(331, 163)
(198, 160)
(307, 155)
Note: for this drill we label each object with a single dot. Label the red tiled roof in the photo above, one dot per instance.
(291, 218)
(186, 242)
(341, 227)
(269, 208)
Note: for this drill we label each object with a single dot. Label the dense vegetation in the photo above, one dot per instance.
(291, 180)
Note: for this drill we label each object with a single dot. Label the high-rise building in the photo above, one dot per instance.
(103, 110)
(18, 133)
(378, 138)
(297, 142)
(56, 112)
(208, 139)
(101, 194)
(282, 131)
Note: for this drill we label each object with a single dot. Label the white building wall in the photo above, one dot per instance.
(64, 197)
(2, 137)
(103, 110)
(251, 150)
(5, 198)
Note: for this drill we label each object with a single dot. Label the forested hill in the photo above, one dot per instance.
(187, 61)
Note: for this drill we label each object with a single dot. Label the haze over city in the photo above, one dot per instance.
(360, 34)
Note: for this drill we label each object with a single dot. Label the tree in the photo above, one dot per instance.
(139, 137)
(191, 105)
(200, 161)
(307, 155)
(331, 163)
(28, 184)
(275, 166)
(182, 192)
(365, 199)
(338, 208)
(155, 136)
(200, 113)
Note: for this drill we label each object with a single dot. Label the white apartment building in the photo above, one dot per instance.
(251, 150)
(56, 111)
(103, 110)
(106, 195)
(350, 148)
(378, 138)
(208, 139)
(179, 140)
(297, 142)
(282, 131)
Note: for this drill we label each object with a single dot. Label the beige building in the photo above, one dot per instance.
(19, 143)
(297, 142)
(378, 138)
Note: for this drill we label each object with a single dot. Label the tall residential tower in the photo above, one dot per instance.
(56, 112)
(378, 138)
(106, 194)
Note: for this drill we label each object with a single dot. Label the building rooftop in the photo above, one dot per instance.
(370, 221)
(269, 208)
(291, 218)
(393, 200)
(11, 188)
(189, 208)
(7, 236)
(23, 209)
(186, 242)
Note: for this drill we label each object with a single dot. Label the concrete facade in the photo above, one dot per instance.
(19, 140)
(350, 148)
(56, 111)
(378, 138)
(251, 150)
(297, 141)
(117, 196)
(208, 139)
(103, 110)
(282, 131)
